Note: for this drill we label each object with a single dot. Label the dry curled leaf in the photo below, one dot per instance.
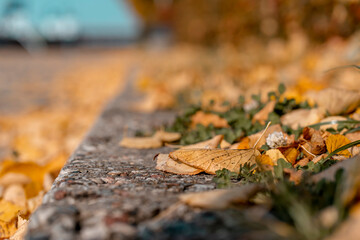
(333, 120)
(211, 160)
(263, 114)
(337, 101)
(302, 117)
(208, 144)
(334, 142)
(221, 198)
(167, 164)
(167, 136)
(15, 194)
(208, 118)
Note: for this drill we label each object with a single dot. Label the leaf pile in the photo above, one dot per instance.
(294, 164)
(35, 143)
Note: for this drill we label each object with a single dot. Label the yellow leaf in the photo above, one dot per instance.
(7, 229)
(274, 155)
(264, 160)
(291, 155)
(334, 142)
(8, 211)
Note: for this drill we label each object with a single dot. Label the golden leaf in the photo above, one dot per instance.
(291, 155)
(334, 142)
(7, 229)
(166, 164)
(8, 211)
(208, 118)
(274, 155)
(264, 160)
(211, 160)
(244, 143)
(221, 198)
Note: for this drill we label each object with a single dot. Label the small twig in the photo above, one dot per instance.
(308, 151)
(257, 141)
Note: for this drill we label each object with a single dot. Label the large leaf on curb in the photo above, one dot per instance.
(166, 164)
(221, 198)
(211, 160)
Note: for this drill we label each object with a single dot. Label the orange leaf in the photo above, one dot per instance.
(208, 118)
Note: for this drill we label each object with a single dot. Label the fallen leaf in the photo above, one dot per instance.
(206, 119)
(302, 117)
(211, 160)
(264, 160)
(33, 203)
(221, 198)
(351, 164)
(167, 136)
(275, 155)
(243, 144)
(333, 120)
(224, 144)
(337, 101)
(208, 144)
(295, 175)
(302, 162)
(291, 155)
(15, 194)
(14, 178)
(167, 164)
(263, 114)
(334, 142)
(354, 136)
(22, 225)
(141, 142)
(8, 210)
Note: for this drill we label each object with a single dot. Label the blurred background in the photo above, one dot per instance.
(61, 61)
